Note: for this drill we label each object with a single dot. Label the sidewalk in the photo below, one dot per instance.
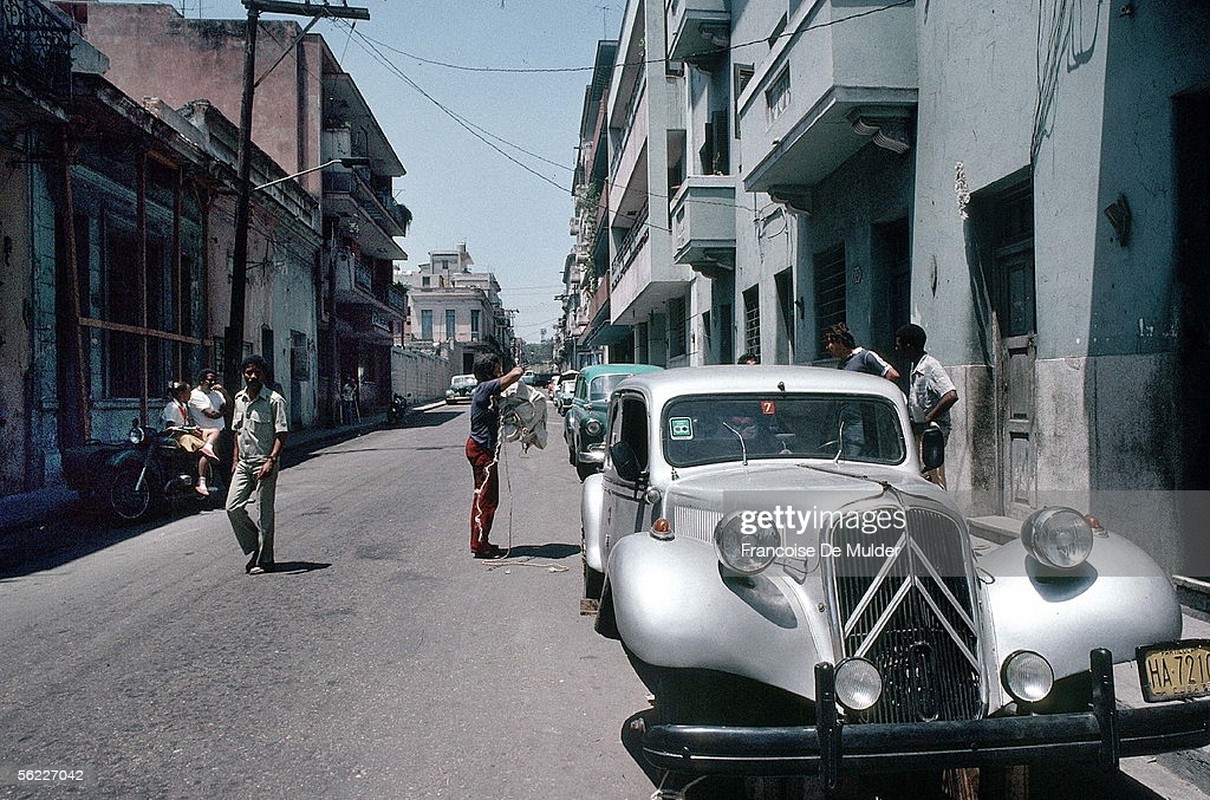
(31, 509)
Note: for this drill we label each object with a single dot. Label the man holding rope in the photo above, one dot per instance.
(482, 450)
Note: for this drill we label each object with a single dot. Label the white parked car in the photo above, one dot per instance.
(800, 600)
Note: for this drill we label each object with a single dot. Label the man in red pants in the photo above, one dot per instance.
(481, 450)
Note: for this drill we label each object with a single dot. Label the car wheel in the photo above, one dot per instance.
(571, 453)
(130, 493)
(584, 470)
(594, 582)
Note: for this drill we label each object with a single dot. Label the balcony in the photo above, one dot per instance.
(643, 275)
(35, 43)
(703, 224)
(821, 95)
(348, 194)
(697, 28)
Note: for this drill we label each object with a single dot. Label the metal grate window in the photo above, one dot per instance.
(752, 321)
(676, 326)
(829, 291)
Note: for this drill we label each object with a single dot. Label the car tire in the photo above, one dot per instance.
(128, 500)
(594, 582)
(584, 470)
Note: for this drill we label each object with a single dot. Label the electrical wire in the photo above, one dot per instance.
(643, 62)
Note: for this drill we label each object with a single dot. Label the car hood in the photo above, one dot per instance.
(818, 484)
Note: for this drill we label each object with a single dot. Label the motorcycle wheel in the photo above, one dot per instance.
(127, 499)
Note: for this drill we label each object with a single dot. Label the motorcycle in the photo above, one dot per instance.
(137, 477)
(398, 409)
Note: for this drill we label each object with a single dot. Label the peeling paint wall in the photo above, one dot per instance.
(15, 355)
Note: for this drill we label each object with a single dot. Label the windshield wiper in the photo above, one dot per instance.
(743, 448)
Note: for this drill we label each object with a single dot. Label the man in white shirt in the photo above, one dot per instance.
(207, 403)
(931, 393)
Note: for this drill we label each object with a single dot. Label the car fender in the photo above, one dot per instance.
(671, 607)
(592, 501)
(1118, 599)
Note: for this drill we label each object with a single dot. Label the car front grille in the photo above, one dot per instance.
(911, 613)
(696, 523)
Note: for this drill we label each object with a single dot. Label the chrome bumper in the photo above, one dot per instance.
(1099, 736)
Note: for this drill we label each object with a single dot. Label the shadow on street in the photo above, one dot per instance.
(553, 551)
(297, 567)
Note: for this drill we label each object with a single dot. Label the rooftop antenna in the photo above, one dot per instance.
(604, 9)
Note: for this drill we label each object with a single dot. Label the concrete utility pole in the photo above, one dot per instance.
(233, 340)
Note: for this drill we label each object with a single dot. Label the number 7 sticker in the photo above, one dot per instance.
(768, 407)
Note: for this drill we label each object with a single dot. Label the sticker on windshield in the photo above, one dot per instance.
(768, 407)
(680, 427)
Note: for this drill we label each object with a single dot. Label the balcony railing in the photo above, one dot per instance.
(35, 42)
(363, 278)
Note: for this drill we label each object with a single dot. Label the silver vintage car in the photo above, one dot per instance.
(801, 601)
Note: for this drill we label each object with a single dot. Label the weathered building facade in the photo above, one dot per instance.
(1023, 181)
(307, 113)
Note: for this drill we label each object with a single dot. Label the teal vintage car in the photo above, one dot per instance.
(584, 423)
(461, 388)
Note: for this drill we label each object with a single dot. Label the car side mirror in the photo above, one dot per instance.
(932, 448)
(625, 462)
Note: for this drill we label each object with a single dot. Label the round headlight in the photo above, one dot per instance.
(743, 545)
(1058, 537)
(136, 435)
(858, 684)
(1027, 676)
(593, 427)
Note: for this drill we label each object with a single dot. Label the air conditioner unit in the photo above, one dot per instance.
(573, 226)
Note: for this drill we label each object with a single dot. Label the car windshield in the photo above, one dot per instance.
(460, 381)
(602, 385)
(708, 430)
(568, 385)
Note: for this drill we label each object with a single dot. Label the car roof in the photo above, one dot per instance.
(588, 373)
(668, 384)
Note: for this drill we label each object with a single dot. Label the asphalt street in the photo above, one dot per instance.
(380, 660)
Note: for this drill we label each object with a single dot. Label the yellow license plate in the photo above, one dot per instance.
(1174, 670)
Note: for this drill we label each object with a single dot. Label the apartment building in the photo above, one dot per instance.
(110, 214)
(451, 305)
(308, 113)
(1024, 182)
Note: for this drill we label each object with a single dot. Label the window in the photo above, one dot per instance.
(475, 334)
(426, 324)
(829, 291)
(726, 339)
(740, 77)
(425, 281)
(752, 321)
(777, 96)
(784, 284)
(629, 425)
(676, 326)
(450, 329)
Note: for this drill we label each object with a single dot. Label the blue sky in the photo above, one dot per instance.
(459, 189)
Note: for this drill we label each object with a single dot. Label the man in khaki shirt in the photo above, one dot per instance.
(260, 431)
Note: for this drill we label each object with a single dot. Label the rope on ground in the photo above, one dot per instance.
(518, 561)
